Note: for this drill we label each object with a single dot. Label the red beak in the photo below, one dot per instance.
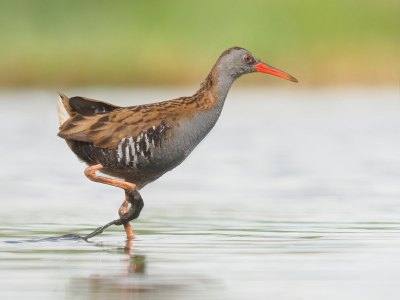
(264, 68)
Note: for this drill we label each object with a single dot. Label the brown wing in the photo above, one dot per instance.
(106, 130)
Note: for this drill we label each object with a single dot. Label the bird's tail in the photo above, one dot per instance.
(62, 112)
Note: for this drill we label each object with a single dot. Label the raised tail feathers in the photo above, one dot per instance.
(63, 115)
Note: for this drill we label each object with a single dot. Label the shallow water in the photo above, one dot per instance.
(293, 195)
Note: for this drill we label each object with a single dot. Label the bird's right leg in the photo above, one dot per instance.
(123, 210)
(132, 197)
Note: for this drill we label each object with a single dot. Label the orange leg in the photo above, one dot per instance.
(132, 197)
(123, 210)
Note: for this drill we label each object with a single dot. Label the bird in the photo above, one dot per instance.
(136, 145)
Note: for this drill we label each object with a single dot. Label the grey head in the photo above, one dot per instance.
(236, 61)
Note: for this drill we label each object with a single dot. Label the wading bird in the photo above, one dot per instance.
(138, 144)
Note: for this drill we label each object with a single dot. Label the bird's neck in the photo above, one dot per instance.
(223, 82)
(202, 110)
(216, 86)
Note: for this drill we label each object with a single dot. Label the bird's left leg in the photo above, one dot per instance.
(132, 197)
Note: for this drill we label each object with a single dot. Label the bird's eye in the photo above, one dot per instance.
(247, 58)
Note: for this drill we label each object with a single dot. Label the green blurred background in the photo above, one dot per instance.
(56, 43)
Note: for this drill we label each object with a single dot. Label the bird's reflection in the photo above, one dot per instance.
(135, 283)
(137, 262)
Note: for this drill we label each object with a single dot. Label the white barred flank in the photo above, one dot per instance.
(119, 151)
(129, 149)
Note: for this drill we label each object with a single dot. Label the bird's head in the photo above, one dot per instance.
(236, 62)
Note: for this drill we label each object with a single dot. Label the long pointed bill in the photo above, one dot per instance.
(264, 68)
